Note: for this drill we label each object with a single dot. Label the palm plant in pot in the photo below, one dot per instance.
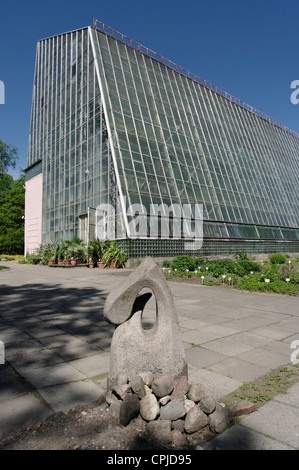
(95, 250)
(114, 256)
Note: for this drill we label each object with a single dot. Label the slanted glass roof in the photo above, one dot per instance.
(177, 142)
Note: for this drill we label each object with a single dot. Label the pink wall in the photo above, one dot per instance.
(33, 213)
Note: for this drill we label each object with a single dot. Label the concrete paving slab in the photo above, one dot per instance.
(34, 360)
(239, 370)
(240, 438)
(12, 386)
(199, 357)
(228, 346)
(291, 397)
(216, 385)
(16, 412)
(220, 331)
(265, 358)
(275, 419)
(197, 337)
(66, 396)
(280, 347)
(93, 366)
(46, 376)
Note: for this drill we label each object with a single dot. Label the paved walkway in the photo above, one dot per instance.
(57, 347)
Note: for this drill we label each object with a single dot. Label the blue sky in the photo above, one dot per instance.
(249, 49)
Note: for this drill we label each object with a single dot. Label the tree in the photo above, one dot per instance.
(12, 201)
(8, 157)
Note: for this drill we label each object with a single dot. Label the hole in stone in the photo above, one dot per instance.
(149, 313)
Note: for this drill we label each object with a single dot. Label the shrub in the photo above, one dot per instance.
(243, 255)
(166, 264)
(220, 267)
(278, 258)
(182, 263)
(245, 266)
(254, 284)
(210, 281)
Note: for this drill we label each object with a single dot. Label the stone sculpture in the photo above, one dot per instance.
(134, 349)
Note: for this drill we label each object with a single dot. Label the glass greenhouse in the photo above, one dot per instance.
(122, 139)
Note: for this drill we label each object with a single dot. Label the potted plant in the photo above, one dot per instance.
(114, 256)
(95, 250)
(52, 261)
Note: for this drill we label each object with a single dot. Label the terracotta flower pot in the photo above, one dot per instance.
(51, 262)
(113, 264)
(73, 262)
(101, 264)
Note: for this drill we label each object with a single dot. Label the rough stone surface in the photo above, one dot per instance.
(137, 386)
(133, 349)
(181, 388)
(178, 439)
(160, 431)
(244, 407)
(173, 410)
(164, 400)
(188, 404)
(196, 393)
(147, 377)
(122, 391)
(163, 385)
(129, 409)
(149, 407)
(218, 420)
(121, 379)
(207, 404)
(178, 424)
(195, 420)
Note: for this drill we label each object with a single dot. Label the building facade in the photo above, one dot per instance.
(117, 129)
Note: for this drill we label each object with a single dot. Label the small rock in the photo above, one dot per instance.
(149, 407)
(160, 430)
(188, 404)
(178, 439)
(121, 379)
(110, 397)
(137, 385)
(172, 411)
(163, 385)
(178, 424)
(129, 409)
(219, 419)
(195, 420)
(181, 388)
(147, 377)
(244, 407)
(122, 390)
(196, 393)
(207, 404)
(164, 400)
(115, 407)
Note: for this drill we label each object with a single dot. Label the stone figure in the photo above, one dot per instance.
(134, 349)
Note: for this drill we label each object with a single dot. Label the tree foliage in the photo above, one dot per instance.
(12, 201)
(8, 157)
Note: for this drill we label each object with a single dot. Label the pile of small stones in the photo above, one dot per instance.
(173, 410)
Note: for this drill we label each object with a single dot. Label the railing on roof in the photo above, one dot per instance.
(103, 28)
